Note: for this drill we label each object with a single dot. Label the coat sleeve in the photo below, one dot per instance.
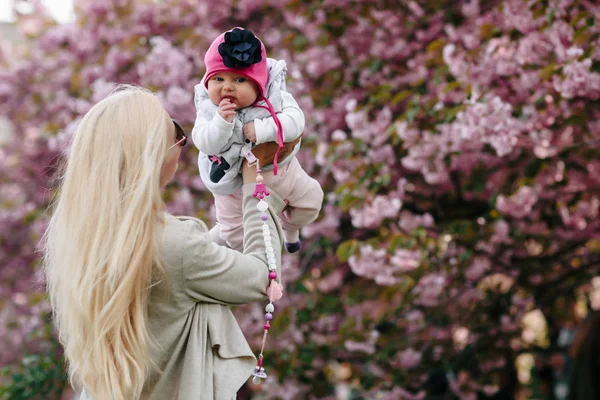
(211, 132)
(211, 135)
(217, 274)
(291, 118)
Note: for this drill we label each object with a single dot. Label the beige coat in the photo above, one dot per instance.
(204, 354)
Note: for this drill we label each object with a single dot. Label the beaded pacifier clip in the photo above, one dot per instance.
(275, 289)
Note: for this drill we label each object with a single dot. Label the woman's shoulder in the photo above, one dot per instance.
(187, 221)
(179, 232)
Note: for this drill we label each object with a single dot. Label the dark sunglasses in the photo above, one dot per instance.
(180, 136)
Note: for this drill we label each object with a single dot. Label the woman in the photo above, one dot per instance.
(140, 298)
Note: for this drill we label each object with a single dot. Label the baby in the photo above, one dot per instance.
(244, 111)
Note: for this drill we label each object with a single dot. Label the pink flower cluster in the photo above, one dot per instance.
(458, 157)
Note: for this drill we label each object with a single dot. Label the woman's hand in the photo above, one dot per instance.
(248, 173)
(249, 131)
(265, 152)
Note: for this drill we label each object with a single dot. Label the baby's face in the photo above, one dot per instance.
(237, 88)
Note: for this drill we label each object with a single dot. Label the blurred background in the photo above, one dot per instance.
(457, 142)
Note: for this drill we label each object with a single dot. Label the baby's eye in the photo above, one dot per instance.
(219, 79)
(241, 80)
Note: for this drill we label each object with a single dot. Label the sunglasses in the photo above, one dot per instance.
(180, 136)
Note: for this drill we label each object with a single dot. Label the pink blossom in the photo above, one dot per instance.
(182, 203)
(456, 62)
(518, 15)
(408, 358)
(396, 393)
(471, 9)
(164, 66)
(500, 58)
(365, 347)
(485, 122)
(579, 81)
(584, 211)
(428, 158)
(321, 60)
(101, 89)
(384, 155)
(543, 147)
(371, 215)
(331, 282)
(501, 233)
(469, 296)
(533, 48)
(328, 226)
(118, 59)
(178, 102)
(415, 320)
(409, 135)
(593, 169)
(289, 389)
(478, 128)
(507, 324)
(406, 260)
(429, 289)
(493, 364)
(409, 222)
(370, 263)
(369, 130)
(519, 204)
(479, 266)
(291, 268)
(560, 34)
(415, 8)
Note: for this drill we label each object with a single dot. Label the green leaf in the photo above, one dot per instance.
(376, 65)
(411, 113)
(548, 71)
(400, 96)
(300, 42)
(486, 31)
(436, 45)
(346, 250)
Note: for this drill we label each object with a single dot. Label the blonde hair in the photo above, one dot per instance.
(101, 245)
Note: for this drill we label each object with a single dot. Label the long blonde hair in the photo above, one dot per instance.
(102, 243)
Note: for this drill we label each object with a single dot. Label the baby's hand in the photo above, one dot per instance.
(227, 109)
(249, 131)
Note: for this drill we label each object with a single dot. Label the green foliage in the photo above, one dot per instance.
(39, 376)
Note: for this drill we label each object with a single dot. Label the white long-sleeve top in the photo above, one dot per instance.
(221, 142)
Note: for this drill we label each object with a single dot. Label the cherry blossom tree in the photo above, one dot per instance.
(457, 143)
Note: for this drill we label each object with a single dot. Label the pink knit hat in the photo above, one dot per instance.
(240, 51)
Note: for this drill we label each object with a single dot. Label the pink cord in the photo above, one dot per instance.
(270, 108)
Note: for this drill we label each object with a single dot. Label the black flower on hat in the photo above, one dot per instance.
(240, 49)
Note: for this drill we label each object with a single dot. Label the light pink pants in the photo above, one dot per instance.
(292, 183)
